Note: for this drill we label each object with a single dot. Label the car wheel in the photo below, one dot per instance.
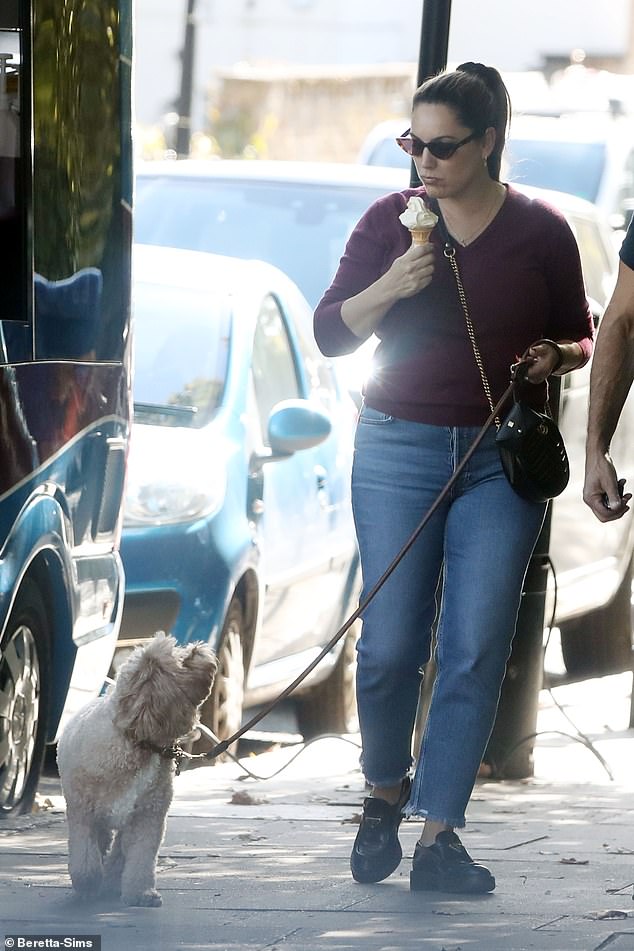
(331, 706)
(600, 642)
(24, 685)
(222, 711)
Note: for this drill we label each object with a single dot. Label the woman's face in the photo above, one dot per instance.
(466, 169)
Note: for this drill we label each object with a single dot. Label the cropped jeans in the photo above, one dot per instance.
(472, 558)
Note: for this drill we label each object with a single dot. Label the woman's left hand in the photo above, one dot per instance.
(542, 359)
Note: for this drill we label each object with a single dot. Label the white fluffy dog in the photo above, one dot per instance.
(116, 763)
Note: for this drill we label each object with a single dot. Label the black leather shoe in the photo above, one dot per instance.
(446, 866)
(377, 850)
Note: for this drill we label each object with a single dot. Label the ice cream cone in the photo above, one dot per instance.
(420, 235)
(418, 219)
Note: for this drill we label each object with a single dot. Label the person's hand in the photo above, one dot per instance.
(603, 491)
(542, 358)
(412, 271)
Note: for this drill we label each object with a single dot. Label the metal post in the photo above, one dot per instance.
(183, 129)
(434, 38)
(509, 753)
(510, 749)
(432, 55)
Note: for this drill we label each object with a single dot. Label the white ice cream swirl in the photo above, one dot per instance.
(417, 216)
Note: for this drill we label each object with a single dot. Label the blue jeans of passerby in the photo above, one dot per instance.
(471, 558)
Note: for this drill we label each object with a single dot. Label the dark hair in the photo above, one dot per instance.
(478, 97)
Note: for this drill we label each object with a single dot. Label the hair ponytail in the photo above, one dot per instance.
(480, 100)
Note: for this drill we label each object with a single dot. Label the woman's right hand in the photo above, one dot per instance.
(407, 275)
(412, 271)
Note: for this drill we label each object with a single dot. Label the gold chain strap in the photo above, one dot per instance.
(450, 254)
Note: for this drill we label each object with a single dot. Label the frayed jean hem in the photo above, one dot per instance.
(385, 783)
(412, 811)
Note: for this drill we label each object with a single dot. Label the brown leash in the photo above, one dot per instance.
(224, 745)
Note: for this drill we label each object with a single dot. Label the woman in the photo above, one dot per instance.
(423, 406)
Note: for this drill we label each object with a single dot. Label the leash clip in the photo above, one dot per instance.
(519, 371)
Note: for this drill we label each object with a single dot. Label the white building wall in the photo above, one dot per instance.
(517, 34)
(510, 34)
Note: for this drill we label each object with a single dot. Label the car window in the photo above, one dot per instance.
(565, 166)
(321, 381)
(594, 257)
(274, 371)
(181, 352)
(387, 152)
(625, 196)
(301, 229)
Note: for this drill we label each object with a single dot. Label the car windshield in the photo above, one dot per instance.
(573, 167)
(181, 352)
(564, 166)
(300, 228)
(387, 152)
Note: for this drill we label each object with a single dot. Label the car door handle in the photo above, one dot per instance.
(321, 477)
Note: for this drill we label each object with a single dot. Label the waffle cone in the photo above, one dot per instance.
(420, 235)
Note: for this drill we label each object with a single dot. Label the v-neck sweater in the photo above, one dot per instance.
(522, 279)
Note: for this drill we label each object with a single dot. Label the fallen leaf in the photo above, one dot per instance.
(606, 915)
(243, 798)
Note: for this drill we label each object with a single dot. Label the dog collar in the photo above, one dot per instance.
(173, 752)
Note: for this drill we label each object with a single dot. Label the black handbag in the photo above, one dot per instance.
(532, 450)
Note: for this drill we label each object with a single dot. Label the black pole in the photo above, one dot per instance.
(432, 54)
(509, 753)
(183, 129)
(434, 38)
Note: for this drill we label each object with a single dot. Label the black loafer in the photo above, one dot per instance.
(377, 850)
(446, 866)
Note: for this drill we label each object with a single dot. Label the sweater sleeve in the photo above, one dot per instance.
(374, 243)
(571, 318)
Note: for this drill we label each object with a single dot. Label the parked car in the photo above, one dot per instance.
(237, 522)
(299, 216)
(588, 155)
(591, 156)
(295, 215)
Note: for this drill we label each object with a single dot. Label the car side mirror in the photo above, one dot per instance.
(295, 425)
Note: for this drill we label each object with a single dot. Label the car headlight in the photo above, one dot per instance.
(166, 486)
(160, 502)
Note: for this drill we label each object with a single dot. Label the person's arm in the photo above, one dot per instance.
(555, 358)
(610, 381)
(408, 275)
(569, 329)
(379, 266)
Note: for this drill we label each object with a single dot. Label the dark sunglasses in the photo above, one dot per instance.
(439, 149)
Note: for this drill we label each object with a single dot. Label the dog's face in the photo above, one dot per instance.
(160, 687)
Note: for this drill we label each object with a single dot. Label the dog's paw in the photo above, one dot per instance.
(148, 899)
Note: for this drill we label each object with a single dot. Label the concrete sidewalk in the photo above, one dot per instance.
(250, 864)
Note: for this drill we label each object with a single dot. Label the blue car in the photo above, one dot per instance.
(237, 521)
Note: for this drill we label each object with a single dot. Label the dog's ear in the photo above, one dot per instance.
(201, 664)
(198, 653)
(146, 689)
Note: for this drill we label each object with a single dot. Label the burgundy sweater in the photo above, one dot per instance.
(522, 279)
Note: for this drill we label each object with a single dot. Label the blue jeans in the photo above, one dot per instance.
(471, 558)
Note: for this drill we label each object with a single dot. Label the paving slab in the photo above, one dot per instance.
(259, 865)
